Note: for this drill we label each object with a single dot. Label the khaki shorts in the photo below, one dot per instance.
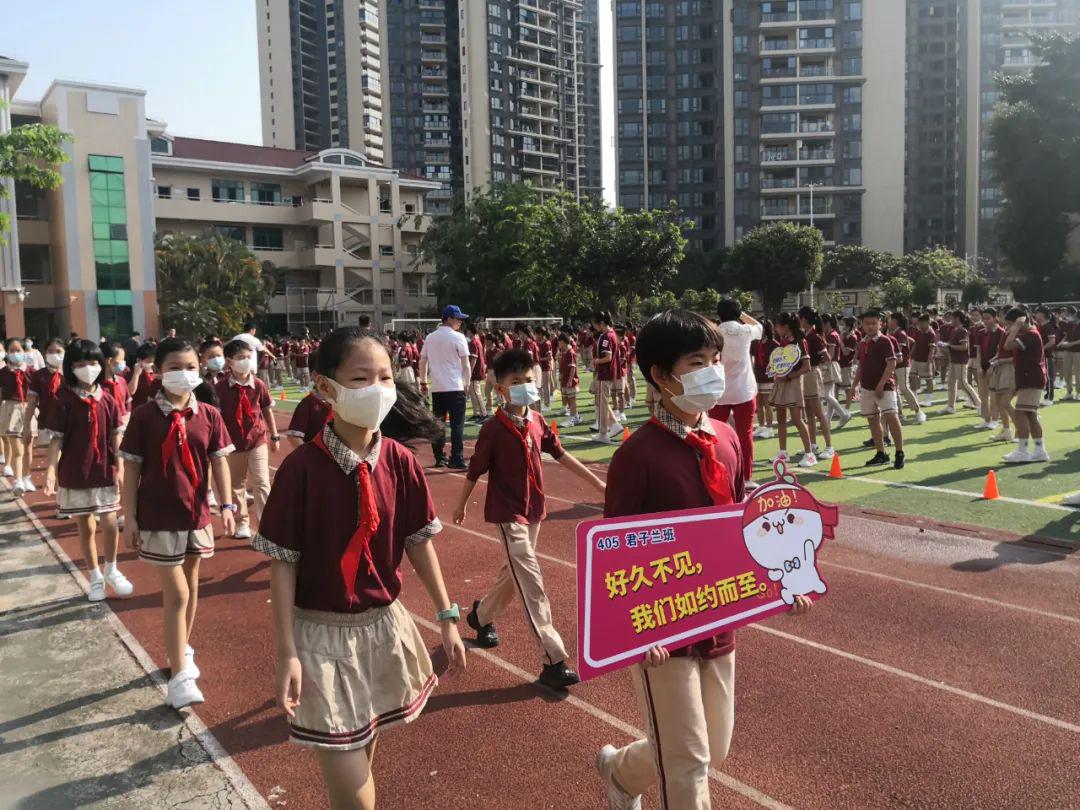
(360, 673)
(602, 388)
(570, 392)
(172, 548)
(871, 405)
(12, 416)
(787, 393)
(923, 369)
(1003, 378)
(1028, 399)
(845, 376)
(93, 501)
(811, 383)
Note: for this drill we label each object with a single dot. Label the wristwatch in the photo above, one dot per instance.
(228, 507)
(451, 614)
(275, 438)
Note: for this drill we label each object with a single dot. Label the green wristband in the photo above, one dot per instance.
(451, 614)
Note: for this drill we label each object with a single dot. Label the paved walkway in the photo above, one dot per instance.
(82, 723)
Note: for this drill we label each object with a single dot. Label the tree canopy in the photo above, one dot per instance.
(29, 154)
(210, 284)
(777, 259)
(856, 266)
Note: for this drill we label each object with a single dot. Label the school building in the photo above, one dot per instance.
(80, 258)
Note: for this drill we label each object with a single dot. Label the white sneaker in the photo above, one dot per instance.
(183, 691)
(17, 489)
(1046, 403)
(118, 582)
(993, 424)
(927, 401)
(769, 433)
(189, 662)
(616, 433)
(1039, 454)
(617, 798)
(815, 450)
(808, 460)
(781, 456)
(243, 532)
(1004, 436)
(1072, 500)
(845, 417)
(97, 589)
(1017, 456)
(949, 409)
(600, 437)
(211, 499)
(28, 485)
(8, 472)
(250, 497)
(596, 425)
(827, 453)
(920, 418)
(983, 426)
(759, 432)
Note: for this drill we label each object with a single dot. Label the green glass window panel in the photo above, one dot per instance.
(101, 229)
(116, 182)
(99, 196)
(115, 319)
(117, 215)
(99, 213)
(102, 250)
(99, 180)
(99, 163)
(116, 199)
(119, 251)
(116, 164)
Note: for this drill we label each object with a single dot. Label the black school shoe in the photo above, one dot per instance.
(458, 464)
(878, 459)
(898, 464)
(558, 676)
(440, 462)
(869, 443)
(486, 636)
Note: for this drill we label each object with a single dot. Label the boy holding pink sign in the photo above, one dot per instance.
(681, 459)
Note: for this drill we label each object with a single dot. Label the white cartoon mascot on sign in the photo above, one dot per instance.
(783, 527)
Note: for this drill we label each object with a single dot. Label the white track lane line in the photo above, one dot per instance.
(731, 783)
(945, 687)
(245, 790)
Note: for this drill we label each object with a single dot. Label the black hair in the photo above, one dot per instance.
(830, 321)
(990, 311)
(604, 317)
(364, 321)
(1015, 313)
(53, 342)
(900, 318)
(872, 313)
(791, 322)
(250, 325)
(208, 344)
(511, 361)
(729, 310)
(924, 316)
(205, 394)
(171, 346)
(961, 316)
(669, 335)
(410, 417)
(79, 350)
(145, 351)
(849, 322)
(810, 316)
(564, 337)
(234, 347)
(470, 328)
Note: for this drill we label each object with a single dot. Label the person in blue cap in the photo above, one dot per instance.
(445, 359)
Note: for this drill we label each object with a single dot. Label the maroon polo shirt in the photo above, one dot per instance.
(476, 350)
(513, 495)
(851, 349)
(959, 335)
(975, 340)
(70, 415)
(252, 433)
(924, 344)
(874, 354)
(568, 371)
(606, 344)
(988, 345)
(117, 388)
(1030, 360)
(42, 384)
(168, 500)
(656, 471)
(902, 342)
(9, 383)
(1073, 333)
(545, 355)
(149, 385)
(310, 417)
(312, 513)
(815, 345)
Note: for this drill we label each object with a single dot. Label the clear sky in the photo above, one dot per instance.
(197, 59)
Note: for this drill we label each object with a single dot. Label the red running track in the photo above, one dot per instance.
(940, 672)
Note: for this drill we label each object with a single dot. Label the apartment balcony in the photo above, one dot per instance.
(435, 90)
(432, 39)
(428, 56)
(246, 212)
(437, 143)
(432, 19)
(774, 209)
(780, 20)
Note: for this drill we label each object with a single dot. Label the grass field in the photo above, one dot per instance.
(947, 463)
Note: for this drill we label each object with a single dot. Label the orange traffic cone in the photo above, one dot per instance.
(836, 471)
(991, 492)
(625, 433)
(554, 427)
(281, 396)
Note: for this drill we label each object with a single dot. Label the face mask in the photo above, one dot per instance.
(364, 407)
(524, 394)
(29, 343)
(55, 359)
(181, 382)
(148, 365)
(244, 366)
(88, 374)
(216, 363)
(15, 358)
(702, 389)
(119, 367)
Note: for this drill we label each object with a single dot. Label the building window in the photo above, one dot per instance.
(853, 177)
(108, 216)
(853, 10)
(35, 264)
(238, 233)
(386, 251)
(387, 297)
(161, 146)
(227, 190)
(164, 192)
(193, 194)
(267, 238)
(266, 193)
(853, 95)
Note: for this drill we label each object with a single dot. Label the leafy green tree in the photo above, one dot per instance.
(856, 267)
(924, 292)
(702, 301)
(701, 269)
(976, 291)
(777, 259)
(938, 265)
(897, 292)
(29, 154)
(211, 284)
(663, 300)
(744, 297)
(1037, 162)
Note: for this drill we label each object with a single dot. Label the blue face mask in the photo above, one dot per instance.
(15, 358)
(215, 363)
(524, 394)
(119, 367)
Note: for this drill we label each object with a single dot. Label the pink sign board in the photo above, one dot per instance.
(674, 578)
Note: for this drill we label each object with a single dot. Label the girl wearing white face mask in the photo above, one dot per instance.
(44, 387)
(249, 416)
(344, 509)
(14, 391)
(171, 448)
(83, 471)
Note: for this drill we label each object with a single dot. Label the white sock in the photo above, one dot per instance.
(1038, 443)
(1024, 445)
(110, 568)
(95, 574)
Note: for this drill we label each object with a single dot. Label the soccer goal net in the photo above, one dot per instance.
(508, 324)
(420, 325)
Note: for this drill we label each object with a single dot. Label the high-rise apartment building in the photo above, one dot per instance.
(464, 93)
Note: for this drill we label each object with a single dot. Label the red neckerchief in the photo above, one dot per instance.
(20, 384)
(367, 524)
(54, 383)
(95, 423)
(244, 409)
(713, 474)
(176, 439)
(530, 480)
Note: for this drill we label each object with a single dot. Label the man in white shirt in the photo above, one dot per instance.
(445, 358)
(740, 394)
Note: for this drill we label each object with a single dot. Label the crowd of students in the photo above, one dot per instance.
(187, 428)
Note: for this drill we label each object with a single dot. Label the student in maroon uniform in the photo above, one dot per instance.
(814, 382)
(878, 355)
(604, 366)
(249, 417)
(547, 366)
(307, 421)
(849, 351)
(344, 510)
(170, 449)
(479, 372)
(15, 383)
(493, 343)
(508, 449)
(898, 324)
(1030, 362)
(944, 327)
(681, 459)
(618, 386)
(113, 382)
(631, 364)
(45, 385)
(957, 344)
(85, 427)
(762, 351)
(787, 395)
(212, 356)
(1003, 381)
(1070, 343)
(142, 379)
(1047, 326)
(831, 374)
(989, 340)
(569, 381)
(922, 357)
